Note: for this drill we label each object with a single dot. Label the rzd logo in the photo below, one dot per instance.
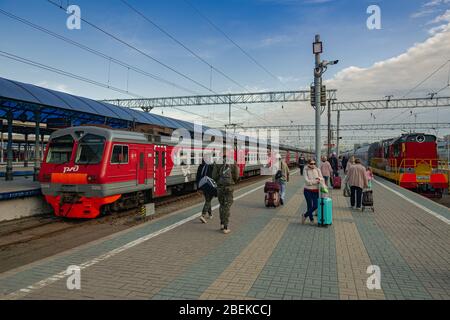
(71, 169)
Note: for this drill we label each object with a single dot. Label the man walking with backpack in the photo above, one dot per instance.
(226, 176)
(205, 170)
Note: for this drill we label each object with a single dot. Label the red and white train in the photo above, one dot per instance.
(88, 171)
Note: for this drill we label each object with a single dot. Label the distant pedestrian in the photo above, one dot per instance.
(357, 179)
(302, 163)
(313, 179)
(326, 170)
(334, 164)
(370, 177)
(350, 163)
(226, 176)
(281, 176)
(205, 170)
(344, 164)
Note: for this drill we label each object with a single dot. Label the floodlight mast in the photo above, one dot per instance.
(319, 69)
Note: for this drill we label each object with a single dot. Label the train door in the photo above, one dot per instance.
(141, 170)
(159, 171)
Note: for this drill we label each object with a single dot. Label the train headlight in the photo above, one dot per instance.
(91, 178)
(420, 139)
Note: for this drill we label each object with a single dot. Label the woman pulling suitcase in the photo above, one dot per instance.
(313, 181)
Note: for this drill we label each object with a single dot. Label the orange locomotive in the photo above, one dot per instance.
(410, 160)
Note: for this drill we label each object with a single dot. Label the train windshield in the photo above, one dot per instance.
(60, 150)
(90, 149)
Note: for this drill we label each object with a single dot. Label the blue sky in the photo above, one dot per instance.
(277, 33)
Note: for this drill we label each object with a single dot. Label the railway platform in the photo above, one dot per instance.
(20, 198)
(268, 255)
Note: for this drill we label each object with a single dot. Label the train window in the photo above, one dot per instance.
(396, 150)
(163, 159)
(119, 154)
(60, 150)
(141, 161)
(156, 159)
(90, 149)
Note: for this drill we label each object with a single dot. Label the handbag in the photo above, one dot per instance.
(347, 192)
(323, 189)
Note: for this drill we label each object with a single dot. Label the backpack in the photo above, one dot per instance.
(225, 176)
(278, 175)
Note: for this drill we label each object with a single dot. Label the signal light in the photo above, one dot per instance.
(313, 96)
(323, 96)
(91, 178)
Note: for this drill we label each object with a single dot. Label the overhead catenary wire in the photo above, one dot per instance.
(78, 77)
(421, 83)
(95, 52)
(64, 73)
(116, 38)
(426, 78)
(182, 44)
(233, 42)
(141, 52)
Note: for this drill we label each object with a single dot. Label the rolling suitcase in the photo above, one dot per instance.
(272, 194)
(367, 200)
(325, 212)
(337, 182)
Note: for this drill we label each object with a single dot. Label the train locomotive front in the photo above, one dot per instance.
(410, 160)
(88, 170)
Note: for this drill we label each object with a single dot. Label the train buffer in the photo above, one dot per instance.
(399, 252)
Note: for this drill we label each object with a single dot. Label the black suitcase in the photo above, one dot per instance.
(367, 200)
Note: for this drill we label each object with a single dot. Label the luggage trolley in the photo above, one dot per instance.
(367, 200)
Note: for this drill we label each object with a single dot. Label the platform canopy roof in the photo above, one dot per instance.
(24, 99)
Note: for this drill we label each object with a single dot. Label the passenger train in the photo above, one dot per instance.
(89, 170)
(411, 161)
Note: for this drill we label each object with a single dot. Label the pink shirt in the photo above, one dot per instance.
(326, 169)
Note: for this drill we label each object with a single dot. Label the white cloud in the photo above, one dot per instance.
(54, 86)
(437, 29)
(422, 13)
(398, 74)
(441, 18)
(288, 79)
(434, 3)
(274, 40)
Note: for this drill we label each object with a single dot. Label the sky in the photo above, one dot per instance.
(413, 42)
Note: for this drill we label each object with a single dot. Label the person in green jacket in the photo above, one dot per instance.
(226, 176)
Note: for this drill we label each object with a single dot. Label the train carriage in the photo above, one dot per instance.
(91, 170)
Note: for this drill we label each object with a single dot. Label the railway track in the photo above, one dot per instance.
(26, 230)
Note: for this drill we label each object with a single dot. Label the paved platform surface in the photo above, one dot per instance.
(19, 184)
(268, 255)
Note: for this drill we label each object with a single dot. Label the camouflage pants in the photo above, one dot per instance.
(225, 200)
(207, 207)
